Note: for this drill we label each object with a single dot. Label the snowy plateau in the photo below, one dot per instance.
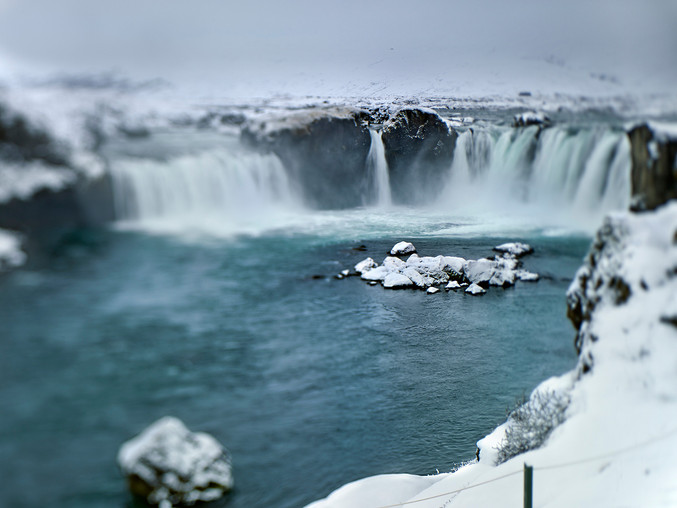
(612, 432)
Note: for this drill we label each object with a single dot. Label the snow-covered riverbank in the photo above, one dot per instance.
(618, 440)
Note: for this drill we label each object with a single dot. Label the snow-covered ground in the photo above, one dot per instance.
(617, 445)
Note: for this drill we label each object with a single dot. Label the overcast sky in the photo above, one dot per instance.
(319, 46)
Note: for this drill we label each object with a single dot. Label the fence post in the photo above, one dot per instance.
(528, 486)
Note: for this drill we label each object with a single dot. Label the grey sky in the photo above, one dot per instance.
(330, 43)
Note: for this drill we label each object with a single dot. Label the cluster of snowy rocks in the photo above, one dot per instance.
(168, 465)
(615, 443)
(429, 273)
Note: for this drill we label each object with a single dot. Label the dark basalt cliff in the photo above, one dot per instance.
(419, 148)
(46, 215)
(654, 167)
(323, 151)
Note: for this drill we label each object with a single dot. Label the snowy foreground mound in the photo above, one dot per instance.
(604, 434)
(169, 465)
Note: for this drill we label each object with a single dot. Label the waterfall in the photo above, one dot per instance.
(218, 188)
(568, 170)
(378, 170)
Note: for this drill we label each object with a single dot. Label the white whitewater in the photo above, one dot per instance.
(218, 190)
(378, 170)
(562, 171)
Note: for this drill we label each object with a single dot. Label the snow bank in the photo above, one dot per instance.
(167, 464)
(11, 254)
(617, 445)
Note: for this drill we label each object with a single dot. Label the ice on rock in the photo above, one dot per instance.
(378, 274)
(432, 290)
(365, 265)
(504, 272)
(169, 465)
(402, 249)
(479, 271)
(397, 280)
(432, 268)
(428, 271)
(345, 273)
(526, 276)
(453, 265)
(452, 285)
(475, 289)
(516, 249)
(393, 263)
(415, 277)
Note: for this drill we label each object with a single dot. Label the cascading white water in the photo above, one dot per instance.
(220, 188)
(378, 170)
(561, 169)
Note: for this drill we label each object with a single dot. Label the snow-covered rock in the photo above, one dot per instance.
(479, 271)
(526, 276)
(393, 263)
(397, 280)
(378, 274)
(614, 438)
(11, 255)
(416, 277)
(530, 118)
(454, 266)
(402, 249)
(169, 465)
(454, 284)
(365, 265)
(424, 272)
(516, 249)
(475, 289)
(432, 290)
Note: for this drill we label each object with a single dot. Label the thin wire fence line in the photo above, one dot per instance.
(451, 492)
(542, 468)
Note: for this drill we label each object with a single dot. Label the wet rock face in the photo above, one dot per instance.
(324, 152)
(654, 167)
(419, 147)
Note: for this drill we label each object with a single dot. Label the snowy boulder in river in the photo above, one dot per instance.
(397, 280)
(376, 274)
(402, 249)
(479, 271)
(475, 289)
(516, 249)
(169, 465)
(365, 265)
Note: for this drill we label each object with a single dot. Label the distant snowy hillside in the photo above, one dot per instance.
(617, 445)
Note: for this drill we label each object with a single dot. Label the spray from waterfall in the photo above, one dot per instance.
(217, 189)
(560, 171)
